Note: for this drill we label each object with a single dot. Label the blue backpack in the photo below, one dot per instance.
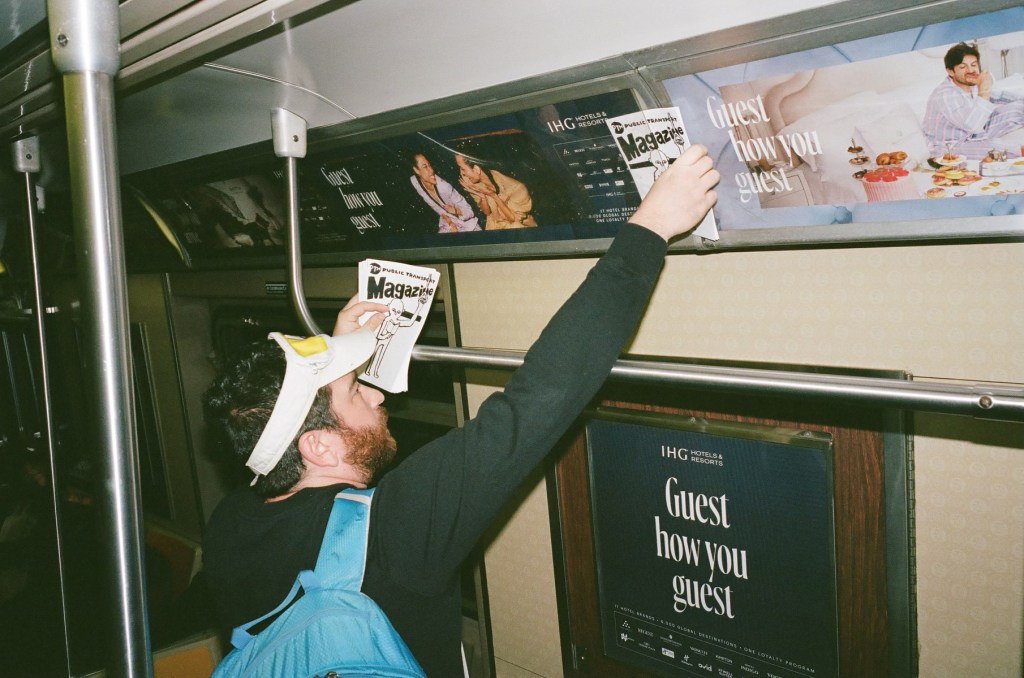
(333, 630)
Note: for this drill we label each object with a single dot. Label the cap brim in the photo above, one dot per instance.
(304, 376)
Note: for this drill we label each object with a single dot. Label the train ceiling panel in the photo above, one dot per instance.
(368, 56)
(157, 37)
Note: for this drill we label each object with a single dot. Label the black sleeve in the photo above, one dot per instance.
(431, 511)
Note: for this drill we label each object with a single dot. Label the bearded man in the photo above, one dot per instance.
(308, 429)
(964, 115)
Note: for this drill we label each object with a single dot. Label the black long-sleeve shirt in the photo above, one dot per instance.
(428, 513)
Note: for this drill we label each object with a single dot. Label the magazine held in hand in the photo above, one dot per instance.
(649, 142)
(408, 292)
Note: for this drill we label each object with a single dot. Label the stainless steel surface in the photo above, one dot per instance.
(202, 29)
(84, 36)
(26, 152)
(25, 155)
(977, 400)
(409, 62)
(22, 18)
(160, 25)
(98, 238)
(289, 132)
(139, 14)
(298, 295)
(158, 36)
(92, 154)
(836, 23)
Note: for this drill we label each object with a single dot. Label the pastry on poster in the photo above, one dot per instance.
(954, 176)
(891, 158)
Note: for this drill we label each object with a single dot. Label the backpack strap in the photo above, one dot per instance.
(342, 558)
(340, 563)
(241, 635)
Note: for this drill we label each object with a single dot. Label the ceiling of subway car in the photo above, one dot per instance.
(20, 16)
(159, 39)
(203, 76)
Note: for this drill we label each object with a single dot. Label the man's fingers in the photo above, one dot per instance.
(693, 154)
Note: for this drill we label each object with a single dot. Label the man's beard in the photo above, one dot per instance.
(372, 449)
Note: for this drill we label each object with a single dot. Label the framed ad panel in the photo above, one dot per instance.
(710, 533)
(858, 131)
(827, 126)
(714, 545)
(533, 174)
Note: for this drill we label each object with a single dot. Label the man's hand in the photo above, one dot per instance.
(985, 85)
(681, 196)
(348, 317)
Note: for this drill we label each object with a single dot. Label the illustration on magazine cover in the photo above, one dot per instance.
(407, 291)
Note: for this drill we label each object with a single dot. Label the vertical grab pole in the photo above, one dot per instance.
(84, 42)
(26, 161)
(289, 131)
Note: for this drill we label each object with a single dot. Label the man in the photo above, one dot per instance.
(453, 211)
(963, 116)
(428, 513)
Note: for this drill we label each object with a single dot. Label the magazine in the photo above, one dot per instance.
(649, 142)
(408, 292)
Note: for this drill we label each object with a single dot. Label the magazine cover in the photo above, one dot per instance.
(649, 141)
(408, 292)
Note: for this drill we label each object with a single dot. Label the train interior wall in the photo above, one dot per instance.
(939, 312)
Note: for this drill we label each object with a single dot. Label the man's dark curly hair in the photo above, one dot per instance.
(239, 404)
(955, 56)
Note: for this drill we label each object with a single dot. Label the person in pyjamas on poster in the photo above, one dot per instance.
(454, 214)
(965, 114)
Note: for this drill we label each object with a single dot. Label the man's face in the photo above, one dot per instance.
(357, 407)
(966, 73)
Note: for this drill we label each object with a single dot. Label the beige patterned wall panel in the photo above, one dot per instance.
(504, 669)
(521, 585)
(970, 546)
(941, 312)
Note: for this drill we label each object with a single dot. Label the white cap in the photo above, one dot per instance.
(312, 362)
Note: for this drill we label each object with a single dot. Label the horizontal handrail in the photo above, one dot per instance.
(984, 401)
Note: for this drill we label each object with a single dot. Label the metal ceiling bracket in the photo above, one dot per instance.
(25, 153)
(289, 132)
(85, 35)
